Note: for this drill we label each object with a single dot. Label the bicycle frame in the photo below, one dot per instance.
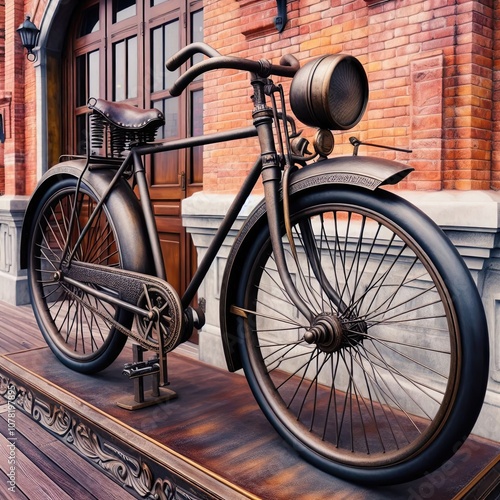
(227, 222)
(275, 164)
(268, 165)
(134, 159)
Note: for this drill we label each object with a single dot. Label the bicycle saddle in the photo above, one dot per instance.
(126, 116)
(127, 125)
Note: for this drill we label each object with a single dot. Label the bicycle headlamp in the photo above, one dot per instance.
(330, 92)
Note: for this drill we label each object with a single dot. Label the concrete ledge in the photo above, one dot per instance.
(13, 282)
(459, 209)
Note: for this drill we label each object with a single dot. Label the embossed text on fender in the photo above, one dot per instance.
(354, 179)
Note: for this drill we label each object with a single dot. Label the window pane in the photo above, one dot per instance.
(123, 9)
(119, 71)
(158, 61)
(197, 32)
(90, 21)
(157, 2)
(170, 108)
(164, 44)
(197, 113)
(94, 74)
(81, 80)
(81, 134)
(125, 69)
(172, 117)
(171, 47)
(132, 67)
(197, 129)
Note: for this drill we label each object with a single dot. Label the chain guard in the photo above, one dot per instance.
(149, 293)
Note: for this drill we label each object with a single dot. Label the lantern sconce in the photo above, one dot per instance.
(281, 19)
(29, 34)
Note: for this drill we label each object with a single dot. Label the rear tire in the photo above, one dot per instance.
(394, 372)
(78, 335)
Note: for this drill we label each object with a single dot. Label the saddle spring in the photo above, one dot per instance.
(119, 139)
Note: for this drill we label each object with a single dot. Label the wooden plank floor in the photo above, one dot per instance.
(44, 467)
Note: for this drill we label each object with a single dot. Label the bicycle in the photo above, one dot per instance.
(358, 326)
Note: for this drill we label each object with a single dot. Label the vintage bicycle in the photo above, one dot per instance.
(358, 326)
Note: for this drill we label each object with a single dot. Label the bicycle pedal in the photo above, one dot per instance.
(141, 368)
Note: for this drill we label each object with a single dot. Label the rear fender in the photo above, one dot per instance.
(362, 171)
(124, 199)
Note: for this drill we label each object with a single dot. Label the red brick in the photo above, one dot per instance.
(430, 90)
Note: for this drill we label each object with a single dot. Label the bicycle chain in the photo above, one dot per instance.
(132, 286)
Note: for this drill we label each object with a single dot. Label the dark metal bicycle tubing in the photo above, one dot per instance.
(200, 140)
(271, 178)
(98, 206)
(222, 232)
(149, 218)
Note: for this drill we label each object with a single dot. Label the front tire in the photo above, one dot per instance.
(389, 378)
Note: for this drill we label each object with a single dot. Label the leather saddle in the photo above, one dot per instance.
(126, 116)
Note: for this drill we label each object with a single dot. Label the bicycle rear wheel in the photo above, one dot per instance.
(389, 378)
(76, 324)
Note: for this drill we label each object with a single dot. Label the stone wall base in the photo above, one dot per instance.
(13, 282)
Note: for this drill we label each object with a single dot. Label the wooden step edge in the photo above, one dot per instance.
(485, 485)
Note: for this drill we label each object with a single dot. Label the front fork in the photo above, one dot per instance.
(271, 178)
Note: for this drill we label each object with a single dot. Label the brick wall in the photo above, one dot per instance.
(36, 9)
(495, 174)
(431, 72)
(17, 100)
(433, 80)
(14, 149)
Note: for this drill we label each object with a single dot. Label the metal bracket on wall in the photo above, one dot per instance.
(281, 19)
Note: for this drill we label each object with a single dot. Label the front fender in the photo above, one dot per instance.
(361, 171)
(123, 197)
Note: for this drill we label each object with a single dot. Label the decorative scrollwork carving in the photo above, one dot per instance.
(125, 469)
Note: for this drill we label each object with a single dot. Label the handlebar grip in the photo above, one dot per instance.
(190, 50)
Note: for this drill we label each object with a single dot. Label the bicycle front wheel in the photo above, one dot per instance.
(388, 378)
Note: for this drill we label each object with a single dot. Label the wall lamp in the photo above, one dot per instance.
(29, 34)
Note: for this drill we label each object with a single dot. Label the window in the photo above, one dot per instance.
(123, 9)
(118, 52)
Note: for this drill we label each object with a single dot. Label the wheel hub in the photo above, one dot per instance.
(330, 333)
(161, 316)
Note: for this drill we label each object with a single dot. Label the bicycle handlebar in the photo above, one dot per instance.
(190, 50)
(288, 65)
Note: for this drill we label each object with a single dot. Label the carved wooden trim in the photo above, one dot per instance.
(128, 471)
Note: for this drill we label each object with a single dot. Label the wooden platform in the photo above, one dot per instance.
(211, 442)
